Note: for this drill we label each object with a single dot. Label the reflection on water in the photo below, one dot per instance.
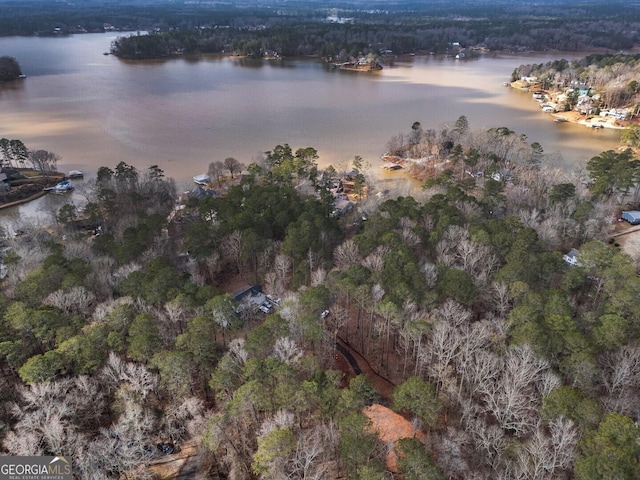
(184, 113)
(40, 212)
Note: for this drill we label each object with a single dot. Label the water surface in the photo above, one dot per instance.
(181, 114)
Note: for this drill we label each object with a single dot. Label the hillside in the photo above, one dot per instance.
(454, 307)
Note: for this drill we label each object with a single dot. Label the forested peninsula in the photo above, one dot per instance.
(265, 330)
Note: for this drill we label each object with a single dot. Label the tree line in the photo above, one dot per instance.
(303, 29)
(14, 154)
(300, 28)
(515, 364)
(304, 36)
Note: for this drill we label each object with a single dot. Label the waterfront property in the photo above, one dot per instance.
(61, 187)
(202, 179)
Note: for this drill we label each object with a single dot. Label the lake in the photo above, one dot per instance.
(181, 114)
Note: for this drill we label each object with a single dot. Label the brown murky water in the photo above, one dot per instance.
(181, 114)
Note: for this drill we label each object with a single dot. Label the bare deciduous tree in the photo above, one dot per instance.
(374, 262)
(346, 254)
(43, 161)
(124, 271)
(620, 377)
(513, 397)
(318, 276)
(271, 283)
(184, 417)
(213, 264)
(282, 267)
(549, 457)
(138, 379)
(51, 417)
(430, 272)
(175, 313)
(287, 351)
(106, 308)
(489, 439)
(233, 165)
(216, 170)
(313, 452)
(237, 351)
(123, 447)
(141, 380)
(77, 301)
(451, 456)
(502, 298)
(232, 248)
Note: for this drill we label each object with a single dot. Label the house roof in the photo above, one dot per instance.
(634, 214)
(239, 295)
(573, 253)
(571, 257)
(200, 192)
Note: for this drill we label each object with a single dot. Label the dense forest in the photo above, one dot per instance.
(127, 333)
(322, 28)
(295, 36)
(124, 344)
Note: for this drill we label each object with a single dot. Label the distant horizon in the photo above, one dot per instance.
(339, 4)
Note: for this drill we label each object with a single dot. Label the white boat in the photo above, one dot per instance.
(202, 179)
(62, 187)
(75, 174)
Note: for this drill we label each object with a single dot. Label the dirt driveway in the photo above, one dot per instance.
(628, 236)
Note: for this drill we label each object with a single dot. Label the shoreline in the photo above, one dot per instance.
(23, 200)
(44, 182)
(571, 116)
(589, 121)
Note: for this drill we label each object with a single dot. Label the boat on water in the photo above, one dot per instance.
(391, 166)
(62, 187)
(75, 174)
(203, 179)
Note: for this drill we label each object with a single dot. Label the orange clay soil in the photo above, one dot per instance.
(391, 427)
